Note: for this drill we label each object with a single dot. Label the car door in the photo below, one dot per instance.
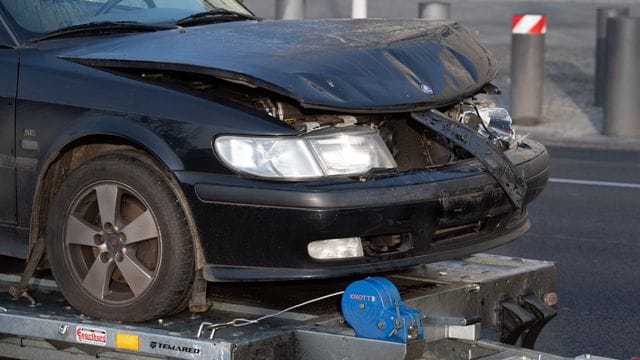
(8, 84)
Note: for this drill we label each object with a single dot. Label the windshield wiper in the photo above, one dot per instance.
(102, 26)
(213, 16)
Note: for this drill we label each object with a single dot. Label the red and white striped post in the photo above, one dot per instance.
(527, 67)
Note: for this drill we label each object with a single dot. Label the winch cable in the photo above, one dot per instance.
(240, 322)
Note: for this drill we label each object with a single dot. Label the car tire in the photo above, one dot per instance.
(118, 241)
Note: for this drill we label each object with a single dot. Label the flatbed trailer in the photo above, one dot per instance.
(459, 299)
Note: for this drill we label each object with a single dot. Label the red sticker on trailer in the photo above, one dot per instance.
(91, 336)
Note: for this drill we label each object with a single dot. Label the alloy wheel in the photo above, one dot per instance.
(113, 243)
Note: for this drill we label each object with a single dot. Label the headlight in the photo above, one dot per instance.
(323, 153)
(497, 120)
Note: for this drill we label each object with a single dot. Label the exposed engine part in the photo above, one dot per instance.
(325, 121)
(389, 137)
(275, 109)
(414, 146)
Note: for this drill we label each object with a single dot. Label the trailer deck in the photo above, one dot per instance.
(459, 298)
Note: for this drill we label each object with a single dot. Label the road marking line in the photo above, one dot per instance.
(595, 183)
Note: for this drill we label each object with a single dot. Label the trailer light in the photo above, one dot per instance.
(127, 341)
(336, 248)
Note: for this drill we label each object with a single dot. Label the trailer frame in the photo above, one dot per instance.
(459, 298)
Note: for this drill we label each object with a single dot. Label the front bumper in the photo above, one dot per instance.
(256, 230)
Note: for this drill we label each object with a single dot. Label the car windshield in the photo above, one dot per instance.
(34, 18)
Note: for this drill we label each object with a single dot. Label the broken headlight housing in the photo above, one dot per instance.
(493, 122)
(330, 152)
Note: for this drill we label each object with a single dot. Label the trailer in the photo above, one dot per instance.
(483, 306)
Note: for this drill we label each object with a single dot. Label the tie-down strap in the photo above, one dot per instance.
(493, 159)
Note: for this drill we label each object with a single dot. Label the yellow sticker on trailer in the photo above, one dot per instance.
(127, 342)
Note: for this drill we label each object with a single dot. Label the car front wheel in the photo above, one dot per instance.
(118, 241)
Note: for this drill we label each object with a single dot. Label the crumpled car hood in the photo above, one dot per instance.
(359, 65)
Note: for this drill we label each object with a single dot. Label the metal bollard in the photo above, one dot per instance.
(434, 10)
(290, 9)
(622, 77)
(527, 68)
(601, 55)
(359, 9)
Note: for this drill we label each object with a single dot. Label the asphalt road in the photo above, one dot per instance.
(592, 231)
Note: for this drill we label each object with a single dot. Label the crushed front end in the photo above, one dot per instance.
(383, 191)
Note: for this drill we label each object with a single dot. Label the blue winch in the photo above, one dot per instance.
(374, 309)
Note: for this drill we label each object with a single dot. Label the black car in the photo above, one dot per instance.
(154, 145)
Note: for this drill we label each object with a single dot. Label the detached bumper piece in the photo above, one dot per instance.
(494, 160)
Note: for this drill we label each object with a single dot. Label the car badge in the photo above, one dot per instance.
(426, 89)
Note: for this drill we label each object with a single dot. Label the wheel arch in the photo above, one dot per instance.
(80, 147)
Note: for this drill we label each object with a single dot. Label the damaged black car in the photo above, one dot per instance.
(150, 146)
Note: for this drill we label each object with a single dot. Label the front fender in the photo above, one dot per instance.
(130, 128)
(105, 128)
